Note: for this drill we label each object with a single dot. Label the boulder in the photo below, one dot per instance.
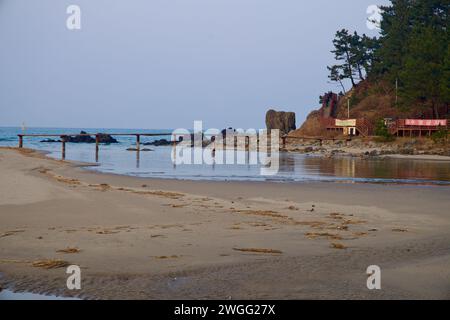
(80, 139)
(103, 138)
(135, 149)
(158, 143)
(106, 138)
(284, 121)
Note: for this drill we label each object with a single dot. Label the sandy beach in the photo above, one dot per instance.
(168, 239)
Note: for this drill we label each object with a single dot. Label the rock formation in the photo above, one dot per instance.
(284, 121)
(103, 138)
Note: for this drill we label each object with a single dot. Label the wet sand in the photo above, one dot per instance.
(166, 239)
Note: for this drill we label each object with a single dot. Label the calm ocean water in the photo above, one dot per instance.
(115, 158)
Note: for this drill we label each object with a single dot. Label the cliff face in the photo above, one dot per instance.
(284, 121)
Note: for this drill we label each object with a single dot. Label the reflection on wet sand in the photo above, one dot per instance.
(375, 168)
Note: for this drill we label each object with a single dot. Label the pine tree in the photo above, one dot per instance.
(423, 76)
(336, 75)
(395, 31)
(342, 52)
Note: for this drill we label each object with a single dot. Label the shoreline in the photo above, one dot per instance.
(157, 238)
(318, 179)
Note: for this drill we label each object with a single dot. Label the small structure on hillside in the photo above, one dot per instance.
(348, 127)
(417, 127)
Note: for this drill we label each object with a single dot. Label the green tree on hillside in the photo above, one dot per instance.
(337, 75)
(343, 53)
(356, 54)
(412, 51)
(395, 30)
(423, 76)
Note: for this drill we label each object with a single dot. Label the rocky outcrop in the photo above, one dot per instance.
(159, 143)
(80, 139)
(103, 138)
(311, 127)
(136, 149)
(284, 121)
(106, 138)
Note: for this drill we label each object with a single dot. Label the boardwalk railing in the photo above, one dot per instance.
(64, 137)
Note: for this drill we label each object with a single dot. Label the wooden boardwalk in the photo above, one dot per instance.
(63, 137)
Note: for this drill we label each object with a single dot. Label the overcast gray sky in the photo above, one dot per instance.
(166, 63)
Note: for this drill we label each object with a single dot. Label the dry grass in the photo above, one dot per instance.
(50, 263)
(101, 187)
(106, 231)
(336, 216)
(335, 245)
(258, 224)
(316, 235)
(158, 236)
(166, 257)
(43, 170)
(313, 224)
(14, 261)
(259, 250)
(69, 250)
(165, 194)
(355, 221)
(341, 227)
(69, 181)
(359, 234)
(178, 205)
(10, 233)
(264, 213)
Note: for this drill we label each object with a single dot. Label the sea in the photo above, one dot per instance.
(293, 167)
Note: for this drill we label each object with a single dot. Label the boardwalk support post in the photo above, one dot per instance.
(97, 141)
(20, 141)
(138, 142)
(63, 145)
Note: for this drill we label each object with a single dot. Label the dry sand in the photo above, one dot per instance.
(150, 238)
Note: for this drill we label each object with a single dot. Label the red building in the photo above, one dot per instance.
(417, 127)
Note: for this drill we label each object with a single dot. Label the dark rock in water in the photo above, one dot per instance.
(136, 149)
(106, 138)
(50, 141)
(103, 138)
(284, 121)
(80, 139)
(158, 143)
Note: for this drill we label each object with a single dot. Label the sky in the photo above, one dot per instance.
(155, 64)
